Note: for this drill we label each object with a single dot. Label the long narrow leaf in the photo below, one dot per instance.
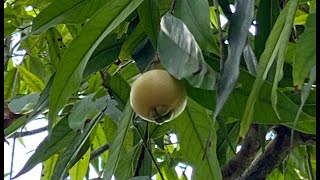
(73, 149)
(118, 144)
(69, 74)
(61, 137)
(277, 36)
(79, 170)
(48, 167)
(150, 19)
(60, 11)
(264, 113)
(303, 62)
(238, 33)
(305, 93)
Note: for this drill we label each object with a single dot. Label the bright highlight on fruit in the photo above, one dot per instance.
(158, 97)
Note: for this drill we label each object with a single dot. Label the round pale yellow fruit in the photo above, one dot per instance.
(158, 97)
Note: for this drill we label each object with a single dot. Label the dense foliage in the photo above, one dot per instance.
(80, 58)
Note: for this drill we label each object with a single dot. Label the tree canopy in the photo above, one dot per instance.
(79, 59)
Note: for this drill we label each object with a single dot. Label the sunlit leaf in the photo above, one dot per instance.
(34, 83)
(10, 79)
(48, 167)
(79, 170)
(69, 73)
(60, 11)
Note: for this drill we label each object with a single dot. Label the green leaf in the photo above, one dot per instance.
(196, 16)
(181, 56)
(119, 87)
(105, 54)
(132, 42)
(140, 178)
(69, 73)
(305, 92)
(222, 144)
(250, 59)
(278, 36)
(23, 104)
(48, 167)
(61, 136)
(34, 82)
(264, 113)
(17, 123)
(150, 19)
(237, 37)
(55, 45)
(192, 126)
(82, 111)
(73, 149)
(275, 174)
(300, 17)
(43, 101)
(118, 144)
(99, 140)
(303, 62)
(267, 14)
(59, 11)
(9, 83)
(79, 170)
(128, 162)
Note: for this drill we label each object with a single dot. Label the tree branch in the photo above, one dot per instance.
(244, 157)
(28, 133)
(99, 151)
(275, 152)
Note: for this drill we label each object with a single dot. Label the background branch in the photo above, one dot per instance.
(28, 133)
(275, 152)
(99, 151)
(244, 157)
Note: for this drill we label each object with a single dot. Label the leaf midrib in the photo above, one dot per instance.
(86, 54)
(56, 17)
(199, 139)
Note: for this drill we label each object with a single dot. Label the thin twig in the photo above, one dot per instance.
(96, 153)
(28, 133)
(221, 42)
(12, 157)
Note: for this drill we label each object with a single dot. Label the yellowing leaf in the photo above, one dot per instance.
(34, 82)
